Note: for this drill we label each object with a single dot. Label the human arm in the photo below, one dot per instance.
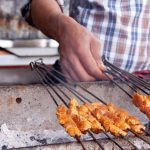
(79, 48)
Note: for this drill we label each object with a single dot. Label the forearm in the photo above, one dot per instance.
(45, 15)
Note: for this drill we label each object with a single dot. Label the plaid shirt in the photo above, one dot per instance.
(122, 26)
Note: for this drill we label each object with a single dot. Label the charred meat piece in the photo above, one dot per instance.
(142, 102)
(82, 123)
(66, 121)
(96, 117)
(96, 126)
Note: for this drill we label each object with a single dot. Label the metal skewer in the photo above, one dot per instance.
(128, 75)
(80, 95)
(41, 74)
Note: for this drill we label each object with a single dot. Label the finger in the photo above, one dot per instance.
(89, 63)
(67, 76)
(73, 74)
(68, 70)
(78, 69)
(95, 48)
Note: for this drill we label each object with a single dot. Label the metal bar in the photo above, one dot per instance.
(126, 139)
(105, 133)
(66, 106)
(74, 84)
(133, 83)
(47, 89)
(133, 77)
(94, 139)
(135, 147)
(113, 141)
(118, 85)
(53, 88)
(97, 98)
(68, 86)
(138, 136)
(124, 80)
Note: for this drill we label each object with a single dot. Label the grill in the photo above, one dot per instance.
(60, 96)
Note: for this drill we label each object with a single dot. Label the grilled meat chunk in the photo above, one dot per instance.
(96, 117)
(142, 102)
(66, 121)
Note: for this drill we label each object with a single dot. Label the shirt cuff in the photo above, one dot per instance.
(26, 13)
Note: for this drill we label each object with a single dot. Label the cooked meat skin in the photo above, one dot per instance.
(96, 117)
(142, 102)
(66, 121)
(82, 123)
(96, 126)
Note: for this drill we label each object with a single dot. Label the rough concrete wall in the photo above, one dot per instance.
(12, 25)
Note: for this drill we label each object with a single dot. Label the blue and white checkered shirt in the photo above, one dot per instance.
(122, 26)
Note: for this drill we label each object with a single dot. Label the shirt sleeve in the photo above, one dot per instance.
(26, 11)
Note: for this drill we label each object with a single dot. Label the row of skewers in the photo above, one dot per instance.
(97, 118)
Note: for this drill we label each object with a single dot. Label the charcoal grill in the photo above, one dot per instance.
(52, 133)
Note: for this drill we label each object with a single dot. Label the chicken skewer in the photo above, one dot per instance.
(66, 121)
(82, 123)
(105, 118)
(142, 102)
(132, 123)
(94, 116)
(96, 126)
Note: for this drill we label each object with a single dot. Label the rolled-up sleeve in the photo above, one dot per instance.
(26, 11)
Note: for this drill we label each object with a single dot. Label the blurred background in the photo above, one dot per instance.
(20, 44)
(12, 25)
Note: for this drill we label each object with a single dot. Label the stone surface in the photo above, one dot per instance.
(12, 25)
(33, 122)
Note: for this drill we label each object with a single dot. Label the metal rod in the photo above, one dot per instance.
(53, 88)
(126, 139)
(113, 141)
(96, 97)
(135, 147)
(131, 76)
(133, 82)
(69, 86)
(74, 84)
(96, 140)
(84, 102)
(99, 99)
(66, 106)
(78, 139)
(47, 89)
(118, 85)
(105, 133)
(138, 136)
(124, 80)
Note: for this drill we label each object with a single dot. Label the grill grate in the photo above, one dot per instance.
(44, 73)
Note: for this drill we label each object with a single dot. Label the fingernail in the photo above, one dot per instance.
(103, 67)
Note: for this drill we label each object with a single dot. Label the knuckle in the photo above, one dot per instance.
(79, 48)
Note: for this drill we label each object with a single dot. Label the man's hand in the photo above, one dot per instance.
(79, 51)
